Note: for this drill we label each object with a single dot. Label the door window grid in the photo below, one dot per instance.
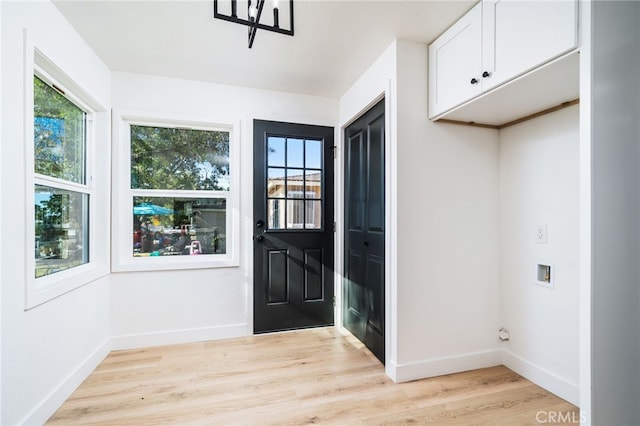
(294, 183)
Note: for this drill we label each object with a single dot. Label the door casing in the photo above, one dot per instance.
(297, 250)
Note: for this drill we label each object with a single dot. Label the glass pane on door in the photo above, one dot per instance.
(276, 151)
(313, 215)
(295, 153)
(275, 214)
(313, 184)
(313, 154)
(294, 183)
(276, 182)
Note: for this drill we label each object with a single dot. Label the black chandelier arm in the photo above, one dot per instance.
(254, 24)
(253, 27)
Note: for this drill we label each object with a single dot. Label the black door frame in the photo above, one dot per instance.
(290, 244)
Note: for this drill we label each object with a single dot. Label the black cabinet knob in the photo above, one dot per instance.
(474, 81)
(259, 238)
(260, 223)
(486, 74)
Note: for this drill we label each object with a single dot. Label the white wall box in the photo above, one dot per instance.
(499, 42)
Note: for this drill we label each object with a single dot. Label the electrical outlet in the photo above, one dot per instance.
(541, 234)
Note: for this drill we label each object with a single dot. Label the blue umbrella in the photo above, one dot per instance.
(150, 209)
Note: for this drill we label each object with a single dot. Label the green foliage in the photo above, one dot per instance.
(49, 218)
(59, 152)
(60, 233)
(57, 210)
(59, 134)
(179, 159)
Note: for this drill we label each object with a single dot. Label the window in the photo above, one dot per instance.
(61, 193)
(178, 204)
(68, 194)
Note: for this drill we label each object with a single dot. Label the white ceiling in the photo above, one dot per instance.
(334, 43)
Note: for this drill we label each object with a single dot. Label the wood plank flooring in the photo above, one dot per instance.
(320, 375)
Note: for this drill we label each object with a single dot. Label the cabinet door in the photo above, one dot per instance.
(454, 61)
(519, 35)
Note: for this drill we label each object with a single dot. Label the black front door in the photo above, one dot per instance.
(293, 226)
(363, 307)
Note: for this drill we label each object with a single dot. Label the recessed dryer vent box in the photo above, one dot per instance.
(544, 274)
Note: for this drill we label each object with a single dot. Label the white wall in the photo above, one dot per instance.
(49, 349)
(442, 198)
(1, 204)
(615, 144)
(447, 246)
(150, 308)
(539, 185)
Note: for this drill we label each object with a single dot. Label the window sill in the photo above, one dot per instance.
(174, 263)
(47, 288)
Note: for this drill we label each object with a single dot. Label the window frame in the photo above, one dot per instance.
(43, 289)
(122, 256)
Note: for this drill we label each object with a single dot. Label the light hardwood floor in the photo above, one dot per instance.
(319, 376)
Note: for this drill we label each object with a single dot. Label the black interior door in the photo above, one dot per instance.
(293, 226)
(363, 307)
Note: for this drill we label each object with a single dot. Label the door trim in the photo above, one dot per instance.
(245, 159)
(319, 312)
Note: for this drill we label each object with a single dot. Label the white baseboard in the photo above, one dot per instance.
(173, 337)
(45, 409)
(457, 364)
(541, 377)
(438, 367)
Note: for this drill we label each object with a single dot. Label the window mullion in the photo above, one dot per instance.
(60, 184)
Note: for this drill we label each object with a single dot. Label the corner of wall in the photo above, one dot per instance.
(546, 379)
(48, 406)
(543, 320)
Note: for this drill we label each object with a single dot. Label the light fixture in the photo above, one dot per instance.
(254, 13)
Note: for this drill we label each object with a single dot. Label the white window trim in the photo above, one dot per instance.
(43, 289)
(122, 257)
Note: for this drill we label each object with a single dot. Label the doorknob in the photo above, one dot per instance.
(259, 238)
(260, 223)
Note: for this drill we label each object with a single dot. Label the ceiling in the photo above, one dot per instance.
(335, 41)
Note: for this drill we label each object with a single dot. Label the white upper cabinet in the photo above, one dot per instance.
(494, 43)
(455, 59)
(520, 35)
